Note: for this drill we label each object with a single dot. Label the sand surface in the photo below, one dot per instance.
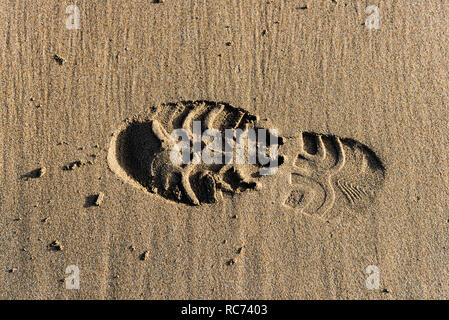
(310, 67)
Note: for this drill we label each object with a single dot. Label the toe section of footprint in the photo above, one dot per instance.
(329, 173)
(141, 152)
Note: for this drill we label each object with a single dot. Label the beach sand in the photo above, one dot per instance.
(75, 204)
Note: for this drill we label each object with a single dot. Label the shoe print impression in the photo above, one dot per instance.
(322, 170)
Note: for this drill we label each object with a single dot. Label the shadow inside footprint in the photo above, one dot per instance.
(135, 149)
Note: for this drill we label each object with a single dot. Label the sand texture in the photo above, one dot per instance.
(361, 116)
